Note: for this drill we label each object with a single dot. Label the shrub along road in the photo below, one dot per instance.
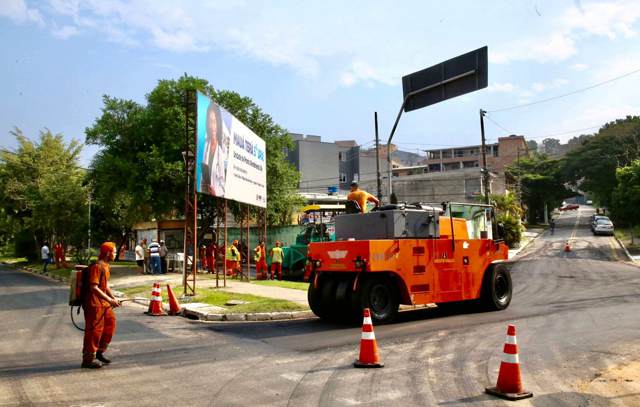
(576, 315)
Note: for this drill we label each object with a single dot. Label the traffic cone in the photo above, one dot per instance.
(155, 306)
(509, 384)
(369, 356)
(567, 247)
(174, 306)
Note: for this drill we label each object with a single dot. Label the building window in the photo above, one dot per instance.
(355, 177)
(459, 153)
(342, 156)
(343, 177)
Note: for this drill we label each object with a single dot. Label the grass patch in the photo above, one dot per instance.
(624, 234)
(219, 298)
(297, 285)
(14, 261)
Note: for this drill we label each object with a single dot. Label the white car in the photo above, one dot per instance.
(603, 227)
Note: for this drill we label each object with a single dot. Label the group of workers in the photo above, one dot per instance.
(233, 259)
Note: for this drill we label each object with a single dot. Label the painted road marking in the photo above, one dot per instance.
(575, 227)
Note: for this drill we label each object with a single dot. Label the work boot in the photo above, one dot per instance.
(94, 364)
(102, 358)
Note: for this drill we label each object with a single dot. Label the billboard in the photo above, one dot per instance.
(230, 159)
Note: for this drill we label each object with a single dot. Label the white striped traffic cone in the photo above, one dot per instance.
(509, 384)
(369, 356)
(155, 306)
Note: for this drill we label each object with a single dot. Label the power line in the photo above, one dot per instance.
(537, 102)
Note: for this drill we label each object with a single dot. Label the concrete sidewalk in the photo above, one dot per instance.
(528, 236)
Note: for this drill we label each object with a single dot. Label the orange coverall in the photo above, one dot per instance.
(261, 264)
(100, 320)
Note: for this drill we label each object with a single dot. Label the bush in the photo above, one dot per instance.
(512, 229)
(24, 245)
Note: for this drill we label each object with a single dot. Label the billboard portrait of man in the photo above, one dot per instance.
(216, 150)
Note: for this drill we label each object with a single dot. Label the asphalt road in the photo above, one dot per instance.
(576, 315)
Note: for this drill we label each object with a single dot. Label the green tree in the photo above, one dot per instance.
(592, 166)
(541, 183)
(626, 195)
(141, 158)
(41, 191)
(508, 213)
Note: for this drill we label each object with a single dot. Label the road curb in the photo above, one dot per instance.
(203, 315)
(631, 259)
(521, 248)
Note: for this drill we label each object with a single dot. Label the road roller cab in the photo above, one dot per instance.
(410, 254)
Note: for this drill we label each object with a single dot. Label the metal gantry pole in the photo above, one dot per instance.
(378, 180)
(485, 171)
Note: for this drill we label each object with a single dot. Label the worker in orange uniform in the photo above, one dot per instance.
(202, 254)
(99, 301)
(233, 259)
(212, 251)
(59, 253)
(361, 197)
(261, 261)
(277, 256)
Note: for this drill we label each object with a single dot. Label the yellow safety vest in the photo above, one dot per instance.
(233, 254)
(277, 255)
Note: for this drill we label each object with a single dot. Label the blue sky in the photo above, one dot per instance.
(323, 68)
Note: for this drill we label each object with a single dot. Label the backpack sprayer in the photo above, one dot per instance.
(78, 291)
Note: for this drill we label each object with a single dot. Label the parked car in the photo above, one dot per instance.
(569, 207)
(589, 202)
(595, 218)
(603, 227)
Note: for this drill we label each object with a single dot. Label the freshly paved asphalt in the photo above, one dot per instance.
(576, 315)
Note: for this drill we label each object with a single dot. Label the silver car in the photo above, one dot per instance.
(603, 227)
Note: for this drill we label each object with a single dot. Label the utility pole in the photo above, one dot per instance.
(485, 171)
(89, 231)
(378, 180)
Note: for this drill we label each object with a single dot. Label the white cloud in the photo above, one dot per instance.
(18, 11)
(579, 67)
(610, 19)
(506, 87)
(554, 84)
(65, 32)
(555, 47)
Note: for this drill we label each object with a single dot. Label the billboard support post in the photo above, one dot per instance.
(226, 246)
(248, 247)
(190, 195)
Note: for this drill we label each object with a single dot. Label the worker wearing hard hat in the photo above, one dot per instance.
(99, 301)
(361, 197)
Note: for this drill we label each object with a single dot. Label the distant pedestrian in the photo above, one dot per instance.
(44, 255)
(139, 250)
(202, 255)
(552, 225)
(58, 250)
(154, 257)
(277, 257)
(163, 256)
(147, 270)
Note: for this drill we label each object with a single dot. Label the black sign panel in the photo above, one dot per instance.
(463, 74)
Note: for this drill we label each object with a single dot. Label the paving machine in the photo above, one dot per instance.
(412, 254)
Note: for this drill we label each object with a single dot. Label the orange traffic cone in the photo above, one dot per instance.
(174, 306)
(155, 306)
(509, 384)
(369, 356)
(567, 247)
